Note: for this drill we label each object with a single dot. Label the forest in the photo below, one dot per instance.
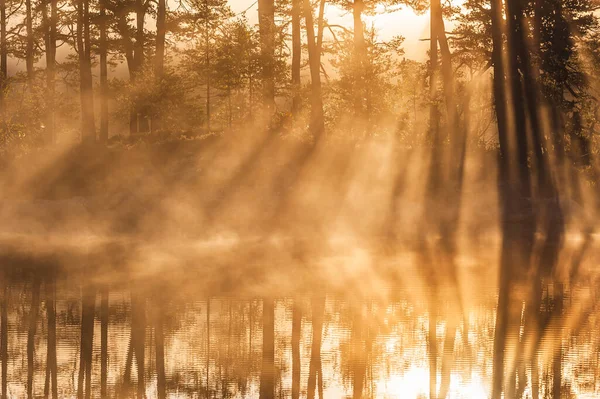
(424, 227)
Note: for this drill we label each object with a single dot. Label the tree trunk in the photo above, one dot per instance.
(122, 23)
(267, 374)
(33, 319)
(88, 130)
(51, 68)
(29, 44)
(314, 59)
(296, 56)
(159, 57)
(360, 51)
(142, 110)
(207, 62)
(103, 47)
(266, 22)
(434, 117)
(3, 56)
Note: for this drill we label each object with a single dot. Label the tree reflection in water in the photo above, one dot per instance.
(61, 338)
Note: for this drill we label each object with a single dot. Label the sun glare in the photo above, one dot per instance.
(414, 384)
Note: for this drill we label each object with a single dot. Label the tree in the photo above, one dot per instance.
(50, 26)
(159, 56)
(314, 58)
(103, 50)
(3, 55)
(266, 23)
(296, 55)
(88, 128)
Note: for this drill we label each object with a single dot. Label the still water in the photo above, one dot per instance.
(65, 335)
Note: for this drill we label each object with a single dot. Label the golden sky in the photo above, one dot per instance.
(403, 22)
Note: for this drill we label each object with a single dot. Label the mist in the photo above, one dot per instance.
(195, 205)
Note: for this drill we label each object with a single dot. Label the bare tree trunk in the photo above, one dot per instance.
(208, 80)
(316, 110)
(122, 14)
(3, 56)
(360, 50)
(296, 56)
(266, 22)
(267, 374)
(320, 27)
(142, 111)
(51, 68)
(103, 47)
(296, 335)
(434, 117)
(33, 319)
(104, 309)
(159, 57)
(88, 130)
(30, 43)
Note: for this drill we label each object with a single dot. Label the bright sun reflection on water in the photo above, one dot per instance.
(414, 384)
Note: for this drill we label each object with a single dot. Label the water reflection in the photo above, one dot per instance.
(67, 336)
